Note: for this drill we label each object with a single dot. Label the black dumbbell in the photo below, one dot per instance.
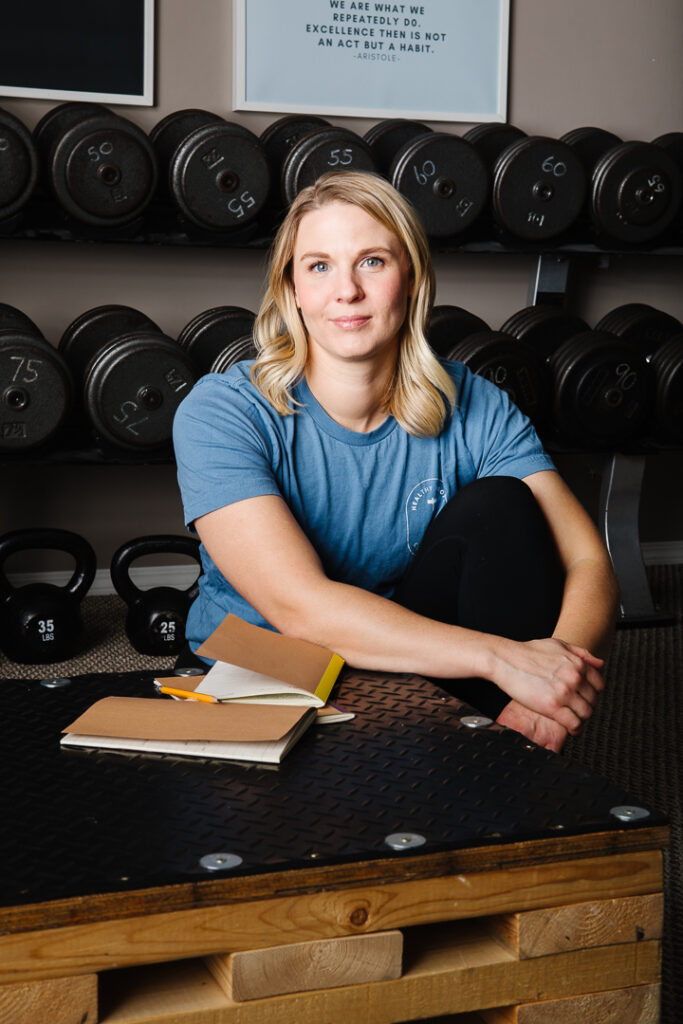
(544, 328)
(100, 166)
(636, 188)
(318, 151)
(386, 138)
(445, 179)
(155, 622)
(218, 337)
(41, 622)
(450, 324)
(131, 376)
(18, 165)
(602, 390)
(35, 385)
(511, 365)
(215, 171)
(658, 337)
(277, 140)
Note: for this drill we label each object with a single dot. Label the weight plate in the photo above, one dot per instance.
(167, 134)
(235, 352)
(59, 119)
(446, 181)
(539, 187)
(642, 326)
(103, 170)
(636, 192)
(386, 138)
(85, 336)
(279, 137)
(590, 144)
(511, 365)
(219, 177)
(450, 324)
(322, 150)
(544, 328)
(667, 367)
(14, 319)
(35, 391)
(133, 388)
(602, 390)
(207, 335)
(490, 140)
(18, 164)
(672, 142)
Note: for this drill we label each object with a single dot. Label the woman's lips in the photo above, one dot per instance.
(349, 322)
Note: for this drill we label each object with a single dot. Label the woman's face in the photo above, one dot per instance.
(351, 280)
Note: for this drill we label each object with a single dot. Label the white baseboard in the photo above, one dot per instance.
(183, 576)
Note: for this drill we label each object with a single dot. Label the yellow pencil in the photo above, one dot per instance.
(189, 695)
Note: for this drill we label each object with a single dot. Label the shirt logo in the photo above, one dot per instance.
(424, 501)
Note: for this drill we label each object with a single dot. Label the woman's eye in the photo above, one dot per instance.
(318, 267)
(373, 261)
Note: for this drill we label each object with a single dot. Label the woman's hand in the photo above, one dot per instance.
(555, 679)
(546, 732)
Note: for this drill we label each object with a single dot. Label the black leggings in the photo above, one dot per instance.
(487, 562)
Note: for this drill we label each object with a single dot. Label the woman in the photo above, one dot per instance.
(351, 489)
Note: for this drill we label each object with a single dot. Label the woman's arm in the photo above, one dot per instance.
(259, 547)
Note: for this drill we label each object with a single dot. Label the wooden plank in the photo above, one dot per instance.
(59, 1001)
(464, 971)
(639, 1005)
(303, 966)
(105, 945)
(215, 891)
(581, 925)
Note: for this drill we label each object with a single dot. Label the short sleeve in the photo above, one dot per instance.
(499, 437)
(224, 450)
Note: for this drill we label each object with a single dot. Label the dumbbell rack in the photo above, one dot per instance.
(621, 473)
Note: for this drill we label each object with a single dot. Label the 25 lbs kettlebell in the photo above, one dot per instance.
(41, 622)
(155, 623)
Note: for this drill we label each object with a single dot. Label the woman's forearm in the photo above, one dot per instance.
(589, 606)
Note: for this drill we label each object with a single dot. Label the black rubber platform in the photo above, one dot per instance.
(77, 822)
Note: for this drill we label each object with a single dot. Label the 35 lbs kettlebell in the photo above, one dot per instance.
(41, 622)
(155, 623)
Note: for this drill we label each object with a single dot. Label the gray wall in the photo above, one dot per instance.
(611, 63)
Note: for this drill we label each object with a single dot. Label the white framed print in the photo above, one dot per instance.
(79, 50)
(439, 60)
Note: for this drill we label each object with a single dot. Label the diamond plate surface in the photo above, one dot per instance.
(78, 822)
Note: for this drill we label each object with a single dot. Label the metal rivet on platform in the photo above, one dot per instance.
(476, 721)
(191, 671)
(54, 682)
(220, 861)
(629, 812)
(404, 840)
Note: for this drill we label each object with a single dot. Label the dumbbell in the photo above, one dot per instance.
(155, 622)
(672, 143)
(511, 365)
(635, 187)
(444, 178)
(601, 388)
(450, 324)
(215, 171)
(35, 385)
(386, 138)
(218, 337)
(18, 165)
(277, 140)
(130, 376)
(658, 337)
(100, 166)
(41, 622)
(320, 150)
(539, 185)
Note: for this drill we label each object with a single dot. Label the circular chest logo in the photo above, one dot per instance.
(424, 501)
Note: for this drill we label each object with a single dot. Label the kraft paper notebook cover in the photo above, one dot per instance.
(235, 731)
(257, 665)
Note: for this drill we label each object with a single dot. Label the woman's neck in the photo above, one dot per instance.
(352, 393)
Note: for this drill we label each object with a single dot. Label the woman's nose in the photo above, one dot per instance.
(348, 286)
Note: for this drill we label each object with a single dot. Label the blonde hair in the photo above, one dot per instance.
(421, 392)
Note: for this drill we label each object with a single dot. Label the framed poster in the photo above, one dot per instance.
(79, 50)
(441, 60)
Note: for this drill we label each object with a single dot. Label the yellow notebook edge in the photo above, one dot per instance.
(329, 677)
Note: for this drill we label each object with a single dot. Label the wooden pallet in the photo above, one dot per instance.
(561, 930)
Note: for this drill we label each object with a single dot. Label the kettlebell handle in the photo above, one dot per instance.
(157, 544)
(45, 538)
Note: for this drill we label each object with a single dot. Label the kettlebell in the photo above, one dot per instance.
(41, 622)
(155, 623)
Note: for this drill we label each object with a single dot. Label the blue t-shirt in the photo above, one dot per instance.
(363, 500)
